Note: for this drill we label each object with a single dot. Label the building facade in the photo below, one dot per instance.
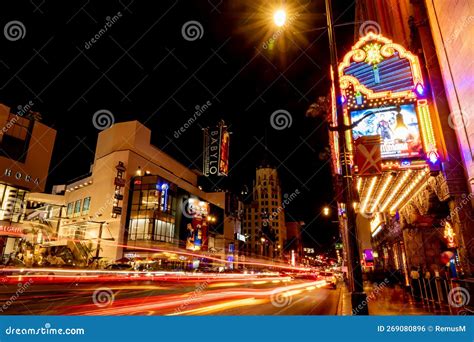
(26, 146)
(264, 217)
(140, 204)
(418, 209)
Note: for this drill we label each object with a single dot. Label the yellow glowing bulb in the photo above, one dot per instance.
(279, 17)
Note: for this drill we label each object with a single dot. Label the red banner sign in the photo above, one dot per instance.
(368, 157)
(6, 230)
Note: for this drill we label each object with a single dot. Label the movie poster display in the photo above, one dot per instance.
(397, 127)
(224, 151)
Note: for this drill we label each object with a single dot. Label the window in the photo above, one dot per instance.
(86, 205)
(14, 142)
(70, 207)
(153, 210)
(12, 201)
(77, 208)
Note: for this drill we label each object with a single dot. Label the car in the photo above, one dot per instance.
(119, 267)
(329, 277)
(306, 276)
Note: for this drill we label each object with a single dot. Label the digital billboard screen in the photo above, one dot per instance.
(397, 127)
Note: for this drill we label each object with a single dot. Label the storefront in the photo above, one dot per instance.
(404, 203)
(137, 204)
(25, 152)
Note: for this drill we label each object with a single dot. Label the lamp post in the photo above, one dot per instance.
(358, 297)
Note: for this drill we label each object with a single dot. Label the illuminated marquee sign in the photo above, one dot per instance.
(383, 93)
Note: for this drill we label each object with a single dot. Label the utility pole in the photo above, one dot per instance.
(358, 297)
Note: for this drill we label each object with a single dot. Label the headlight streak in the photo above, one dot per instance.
(167, 302)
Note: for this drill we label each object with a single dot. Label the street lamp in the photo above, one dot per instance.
(326, 211)
(279, 17)
(358, 296)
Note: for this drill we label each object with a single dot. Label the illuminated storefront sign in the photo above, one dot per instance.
(216, 150)
(18, 175)
(449, 235)
(119, 183)
(6, 230)
(240, 237)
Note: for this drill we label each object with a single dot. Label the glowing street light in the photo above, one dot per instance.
(279, 17)
(326, 211)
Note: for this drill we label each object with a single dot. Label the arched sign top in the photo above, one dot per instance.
(378, 68)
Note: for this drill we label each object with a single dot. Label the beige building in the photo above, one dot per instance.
(137, 202)
(26, 146)
(264, 218)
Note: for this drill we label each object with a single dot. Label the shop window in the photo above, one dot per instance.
(77, 208)
(12, 203)
(153, 210)
(86, 205)
(70, 208)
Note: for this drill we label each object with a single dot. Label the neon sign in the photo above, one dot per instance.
(449, 235)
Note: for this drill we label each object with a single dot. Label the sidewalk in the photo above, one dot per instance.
(386, 301)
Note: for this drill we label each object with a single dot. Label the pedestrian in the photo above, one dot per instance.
(415, 283)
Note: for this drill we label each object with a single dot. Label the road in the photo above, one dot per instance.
(207, 295)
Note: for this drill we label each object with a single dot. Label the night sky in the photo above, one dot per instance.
(142, 68)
